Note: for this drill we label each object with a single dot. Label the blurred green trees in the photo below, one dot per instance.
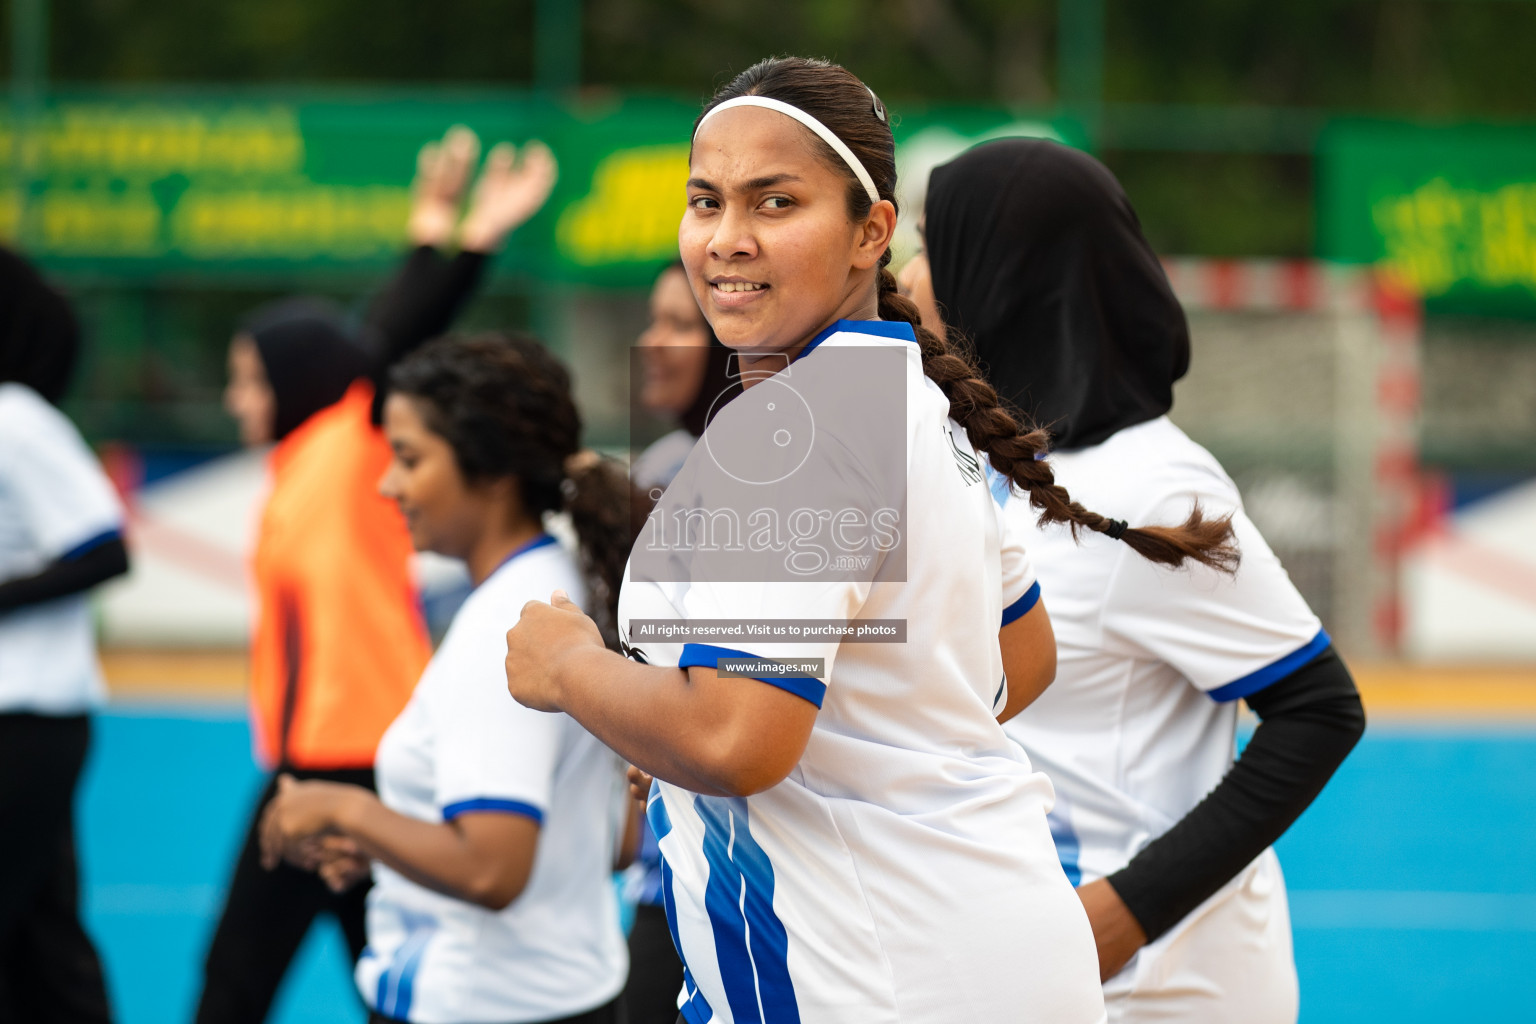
(1164, 63)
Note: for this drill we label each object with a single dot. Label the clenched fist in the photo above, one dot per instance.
(544, 636)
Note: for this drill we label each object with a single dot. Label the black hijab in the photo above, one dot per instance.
(1038, 258)
(310, 357)
(39, 336)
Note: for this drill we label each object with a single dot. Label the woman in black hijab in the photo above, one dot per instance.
(1035, 254)
(60, 535)
(1028, 239)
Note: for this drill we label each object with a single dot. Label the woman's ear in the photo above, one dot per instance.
(875, 236)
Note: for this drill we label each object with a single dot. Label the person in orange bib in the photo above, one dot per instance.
(339, 640)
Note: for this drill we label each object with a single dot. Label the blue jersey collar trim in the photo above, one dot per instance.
(543, 540)
(898, 329)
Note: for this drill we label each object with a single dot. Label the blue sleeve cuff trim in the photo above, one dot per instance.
(90, 545)
(1275, 671)
(707, 655)
(1021, 607)
(494, 805)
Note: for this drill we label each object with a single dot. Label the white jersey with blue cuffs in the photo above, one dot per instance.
(56, 503)
(463, 745)
(1140, 723)
(904, 870)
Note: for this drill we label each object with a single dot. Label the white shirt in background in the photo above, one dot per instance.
(462, 744)
(1140, 723)
(55, 503)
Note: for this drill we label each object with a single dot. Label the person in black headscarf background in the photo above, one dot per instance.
(684, 378)
(60, 535)
(1034, 254)
(332, 666)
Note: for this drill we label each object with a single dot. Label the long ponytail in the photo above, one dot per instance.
(503, 403)
(1019, 454)
(607, 513)
(836, 98)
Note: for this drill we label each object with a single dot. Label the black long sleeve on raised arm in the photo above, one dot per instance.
(418, 304)
(1309, 722)
(66, 576)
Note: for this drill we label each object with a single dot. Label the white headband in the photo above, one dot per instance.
(822, 131)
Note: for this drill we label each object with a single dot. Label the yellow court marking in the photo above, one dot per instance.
(212, 673)
(1438, 691)
(1390, 690)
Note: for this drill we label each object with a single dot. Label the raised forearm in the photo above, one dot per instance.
(655, 717)
(712, 735)
(719, 737)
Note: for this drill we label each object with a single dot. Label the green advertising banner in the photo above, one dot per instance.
(1450, 212)
(206, 183)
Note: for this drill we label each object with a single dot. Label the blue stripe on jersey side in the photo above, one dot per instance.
(751, 944)
(1021, 607)
(494, 804)
(1275, 671)
(92, 544)
(708, 655)
(1068, 847)
(661, 826)
(1000, 486)
(397, 983)
(768, 939)
(406, 990)
(695, 1008)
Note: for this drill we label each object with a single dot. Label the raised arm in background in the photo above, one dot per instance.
(429, 290)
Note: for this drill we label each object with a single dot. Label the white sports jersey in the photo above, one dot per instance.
(903, 871)
(1140, 723)
(55, 503)
(463, 744)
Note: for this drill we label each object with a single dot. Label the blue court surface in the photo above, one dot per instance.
(1413, 878)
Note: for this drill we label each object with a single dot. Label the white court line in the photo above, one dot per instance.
(1382, 910)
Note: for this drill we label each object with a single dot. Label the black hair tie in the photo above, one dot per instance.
(1116, 529)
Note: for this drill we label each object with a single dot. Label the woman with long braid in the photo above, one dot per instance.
(847, 831)
(1035, 254)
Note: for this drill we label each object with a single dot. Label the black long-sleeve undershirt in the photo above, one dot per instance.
(1309, 722)
(66, 576)
(418, 304)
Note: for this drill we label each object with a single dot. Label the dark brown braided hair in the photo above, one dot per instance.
(503, 403)
(836, 98)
